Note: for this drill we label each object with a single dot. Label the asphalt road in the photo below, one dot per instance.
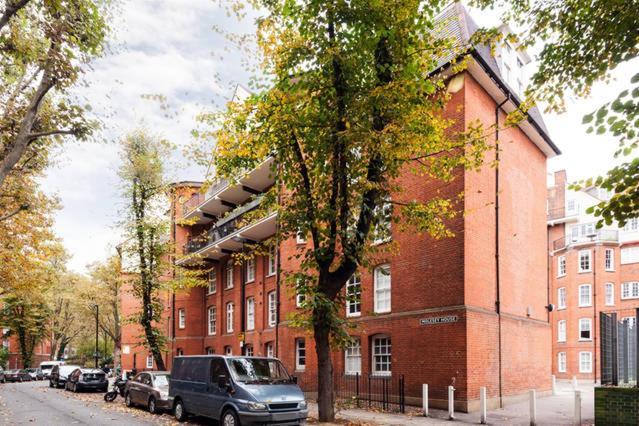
(34, 403)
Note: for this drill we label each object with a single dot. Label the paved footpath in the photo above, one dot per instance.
(551, 410)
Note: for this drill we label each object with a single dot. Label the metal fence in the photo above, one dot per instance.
(619, 346)
(386, 393)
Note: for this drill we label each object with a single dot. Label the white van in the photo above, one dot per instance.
(46, 367)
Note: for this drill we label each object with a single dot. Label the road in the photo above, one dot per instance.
(34, 403)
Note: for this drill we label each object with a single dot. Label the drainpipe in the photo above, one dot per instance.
(497, 283)
(243, 308)
(172, 322)
(277, 270)
(594, 310)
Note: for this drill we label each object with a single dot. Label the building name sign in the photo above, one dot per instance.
(439, 320)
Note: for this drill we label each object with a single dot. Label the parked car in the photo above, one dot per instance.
(2, 379)
(149, 389)
(35, 373)
(17, 376)
(235, 390)
(59, 374)
(46, 367)
(86, 379)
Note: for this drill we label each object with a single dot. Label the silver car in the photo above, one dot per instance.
(149, 389)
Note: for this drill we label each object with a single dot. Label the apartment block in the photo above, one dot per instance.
(591, 271)
(467, 311)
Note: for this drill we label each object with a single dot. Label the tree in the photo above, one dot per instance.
(26, 318)
(583, 42)
(352, 102)
(44, 45)
(105, 290)
(67, 308)
(146, 229)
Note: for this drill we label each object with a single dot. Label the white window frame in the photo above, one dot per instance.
(272, 308)
(609, 293)
(300, 354)
(229, 274)
(561, 298)
(299, 298)
(609, 260)
(381, 355)
(632, 321)
(583, 361)
(210, 351)
(250, 270)
(228, 350)
(630, 290)
(181, 318)
(580, 267)
(383, 227)
(212, 287)
(562, 362)
(582, 302)
(270, 352)
(229, 317)
(149, 365)
(212, 320)
(249, 351)
(585, 321)
(561, 331)
(354, 296)
(271, 261)
(300, 237)
(629, 255)
(250, 313)
(382, 302)
(561, 266)
(179, 352)
(353, 357)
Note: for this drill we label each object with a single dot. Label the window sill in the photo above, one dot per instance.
(359, 314)
(228, 288)
(561, 341)
(630, 298)
(211, 293)
(212, 334)
(585, 340)
(585, 271)
(353, 373)
(609, 270)
(250, 282)
(382, 312)
(561, 276)
(382, 374)
(585, 306)
(270, 275)
(300, 370)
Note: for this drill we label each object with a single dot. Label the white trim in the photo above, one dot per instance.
(562, 366)
(611, 267)
(565, 301)
(561, 266)
(382, 302)
(580, 302)
(585, 321)
(589, 362)
(561, 331)
(607, 300)
(580, 269)
(181, 318)
(250, 313)
(230, 313)
(212, 331)
(385, 351)
(300, 360)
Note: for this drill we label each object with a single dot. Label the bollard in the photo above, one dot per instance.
(577, 416)
(533, 407)
(482, 405)
(451, 403)
(425, 400)
(554, 385)
(574, 382)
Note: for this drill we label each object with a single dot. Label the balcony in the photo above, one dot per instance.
(230, 234)
(561, 215)
(223, 196)
(600, 236)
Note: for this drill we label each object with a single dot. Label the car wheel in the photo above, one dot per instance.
(75, 388)
(127, 400)
(152, 408)
(179, 411)
(229, 418)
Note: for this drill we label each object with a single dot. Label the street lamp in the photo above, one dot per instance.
(97, 313)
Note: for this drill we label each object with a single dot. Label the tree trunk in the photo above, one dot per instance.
(117, 354)
(25, 351)
(325, 397)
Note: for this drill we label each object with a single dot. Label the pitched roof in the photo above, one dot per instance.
(459, 25)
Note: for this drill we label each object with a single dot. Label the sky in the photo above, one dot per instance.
(169, 48)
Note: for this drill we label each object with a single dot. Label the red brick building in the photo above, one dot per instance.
(467, 311)
(591, 271)
(41, 351)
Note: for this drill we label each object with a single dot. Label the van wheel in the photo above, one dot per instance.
(152, 408)
(179, 411)
(127, 400)
(229, 418)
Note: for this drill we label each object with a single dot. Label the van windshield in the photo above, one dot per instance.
(258, 370)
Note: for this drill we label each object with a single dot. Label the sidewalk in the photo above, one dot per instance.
(551, 410)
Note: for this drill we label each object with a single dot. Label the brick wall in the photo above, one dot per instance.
(618, 406)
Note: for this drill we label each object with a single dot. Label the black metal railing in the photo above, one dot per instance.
(386, 393)
(619, 346)
(234, 221)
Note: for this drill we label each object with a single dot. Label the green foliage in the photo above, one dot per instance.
(146, 230)
(583, 42)
(4, 356)
(26, 317)
(351, 105)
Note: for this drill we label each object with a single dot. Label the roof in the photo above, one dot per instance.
(459, 25)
